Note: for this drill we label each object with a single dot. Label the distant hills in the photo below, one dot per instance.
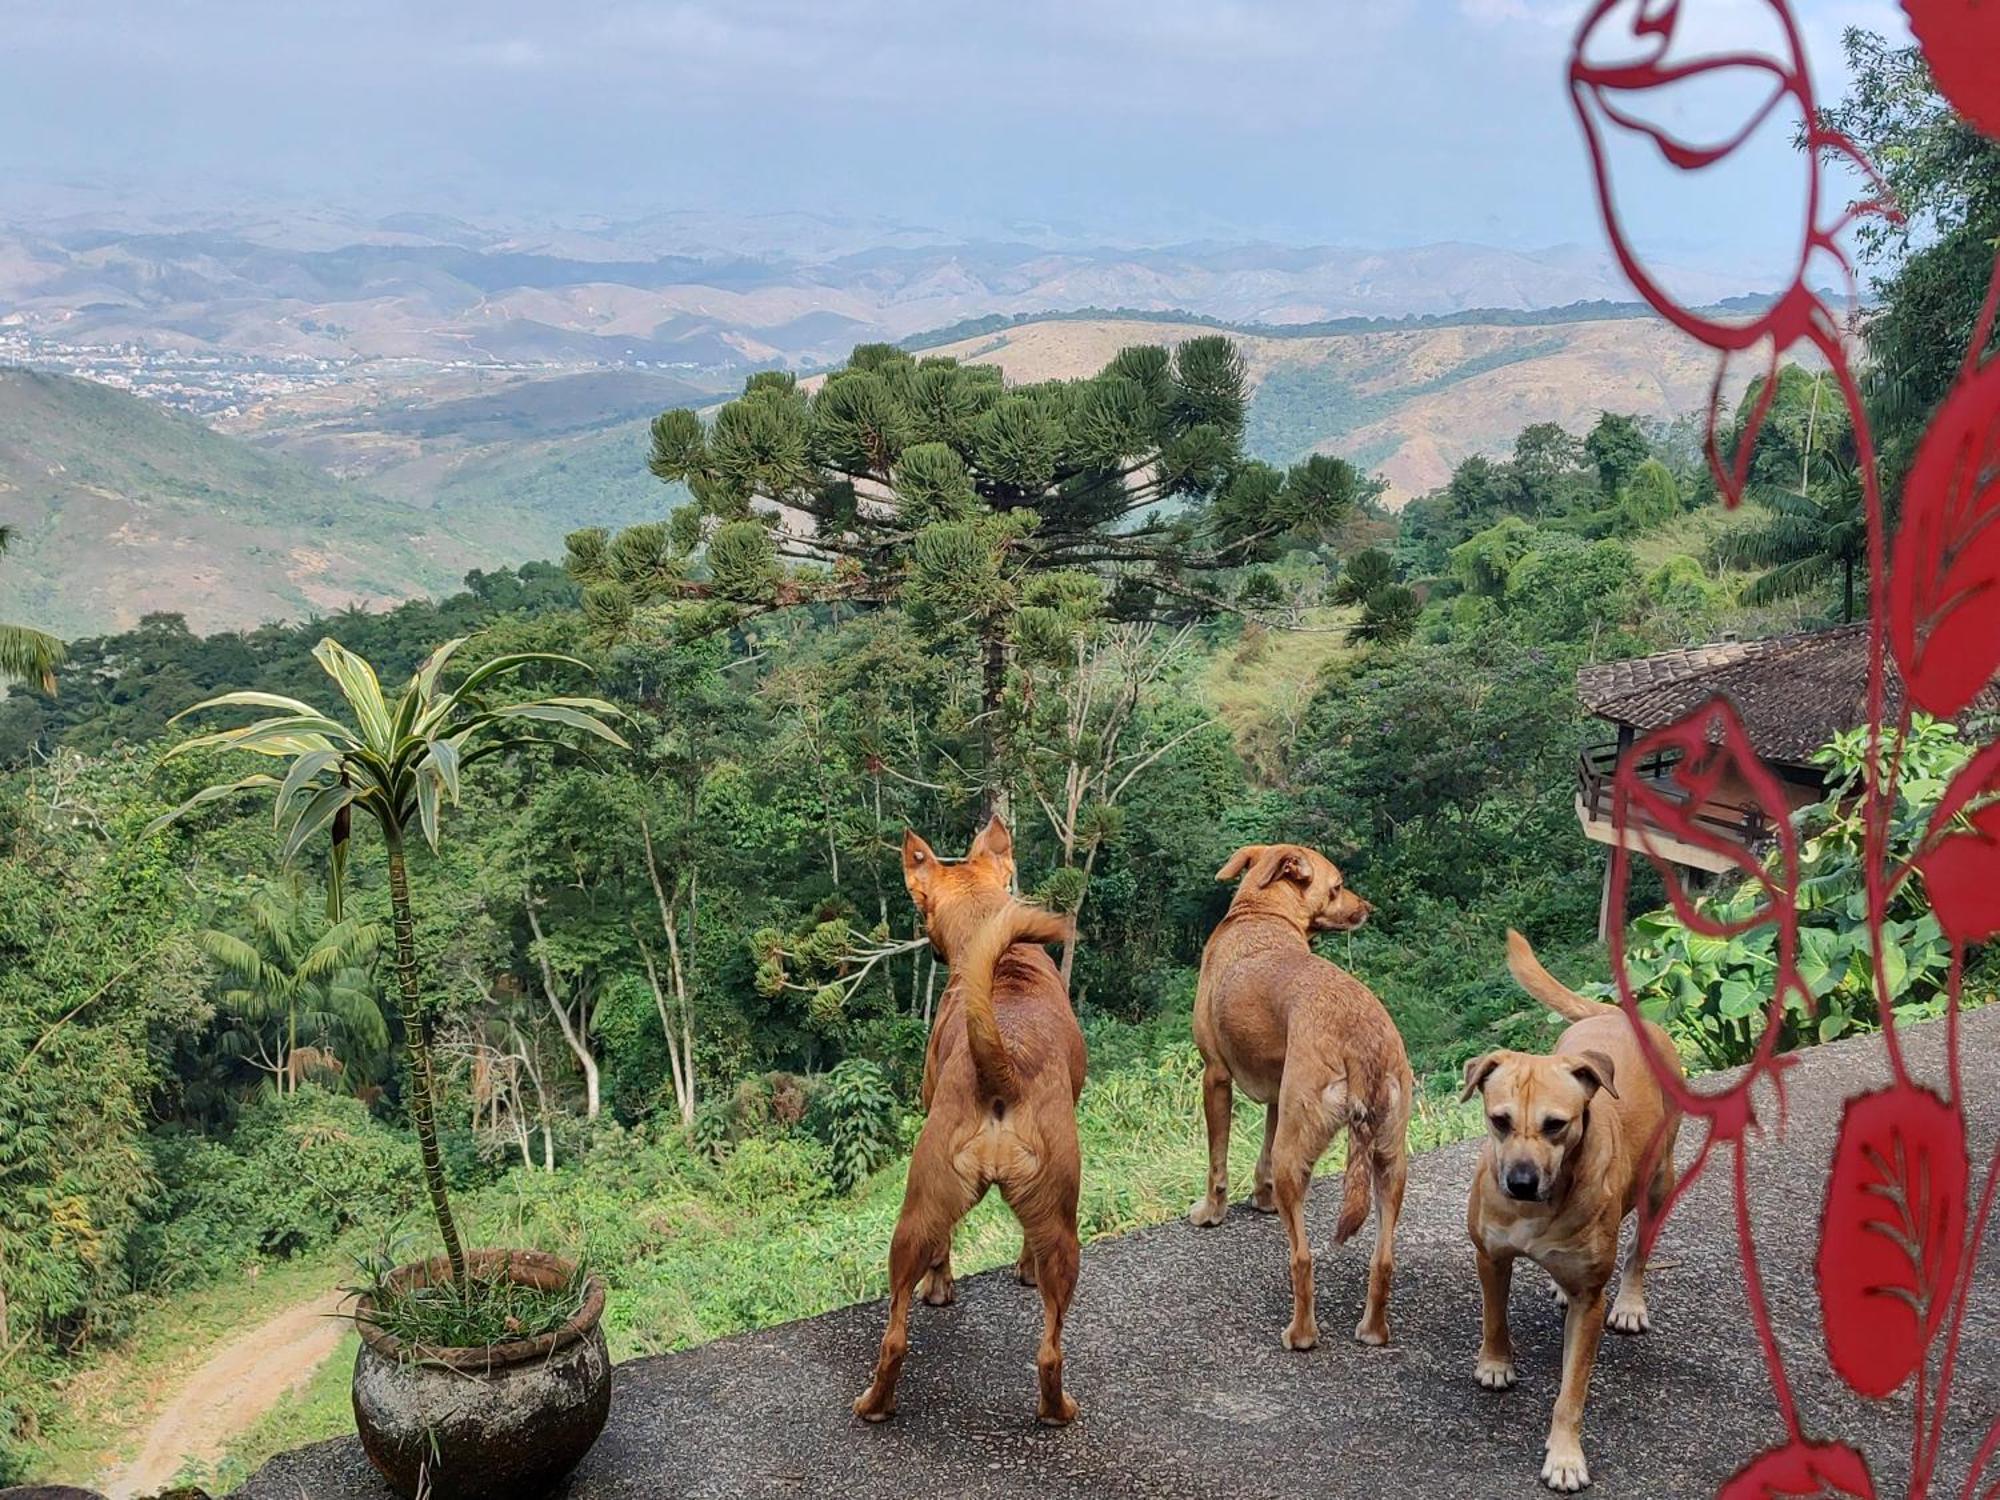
(702, 293)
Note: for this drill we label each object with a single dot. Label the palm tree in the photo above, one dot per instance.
(399, 763)
(1807, 536)
(289, 970)
(27, 655)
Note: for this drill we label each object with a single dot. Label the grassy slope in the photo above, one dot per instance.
(124, 507)
(1260, 687)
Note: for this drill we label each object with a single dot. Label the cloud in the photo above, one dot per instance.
(1359, 120)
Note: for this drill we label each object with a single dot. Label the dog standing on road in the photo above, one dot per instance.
(1001, 1080)
(1572, 1140)
(1311, 1044)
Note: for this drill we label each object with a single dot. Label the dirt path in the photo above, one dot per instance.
(237, 1386)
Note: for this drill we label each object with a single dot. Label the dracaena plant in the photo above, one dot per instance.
(400, 763)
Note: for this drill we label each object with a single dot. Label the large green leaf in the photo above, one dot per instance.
(233, 954)
(556, 713)
(292, 735)
(443, 757)
(424, 680)
(360, 687)
(316, 815)
(302, 771)
(206, 795)
(251, 700)
(429, 785)
(513, 662)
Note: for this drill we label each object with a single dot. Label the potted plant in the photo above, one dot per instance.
(482, 1376)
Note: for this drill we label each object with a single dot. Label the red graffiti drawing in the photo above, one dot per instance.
(1905, 1212)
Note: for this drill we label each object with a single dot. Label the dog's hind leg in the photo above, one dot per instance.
(1057, 1257)
(1390, 1161)
(1265, 1198)
(935, 1199)
(1308, 1111)
(1217, 1099)
(1628, 1311)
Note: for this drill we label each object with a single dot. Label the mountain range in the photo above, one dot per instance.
(698, 292)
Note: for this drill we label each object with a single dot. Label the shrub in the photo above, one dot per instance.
(1712, 993)
(855, 1112)
(315, 1164)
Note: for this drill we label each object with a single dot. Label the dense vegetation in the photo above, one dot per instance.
(674, 994)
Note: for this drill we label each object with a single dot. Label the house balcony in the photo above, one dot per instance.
(1742, 824)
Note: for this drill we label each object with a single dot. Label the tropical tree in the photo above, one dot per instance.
(292, 972)
(1388, 615)
(1935, 261)
(400, 763)
(1806, 537)
(27, 655)
(1362, 574)
(934, 483)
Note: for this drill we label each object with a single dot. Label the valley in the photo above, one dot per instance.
(389, 479)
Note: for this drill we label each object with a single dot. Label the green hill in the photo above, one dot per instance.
(122, 507)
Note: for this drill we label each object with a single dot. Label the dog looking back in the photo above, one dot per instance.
(1313, 1045)
(1001, 1080)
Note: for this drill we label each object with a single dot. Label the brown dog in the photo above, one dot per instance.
(1311, 1044)
(1001, 1082)
(1572, 1140)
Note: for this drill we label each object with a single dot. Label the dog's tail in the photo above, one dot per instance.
(1378, 1109)
(1016, 923)
(1357, 1191)
(1544, 986)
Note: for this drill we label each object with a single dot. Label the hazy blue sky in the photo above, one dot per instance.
(1360, 121)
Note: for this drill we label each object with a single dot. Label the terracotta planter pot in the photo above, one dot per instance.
(505, 1423)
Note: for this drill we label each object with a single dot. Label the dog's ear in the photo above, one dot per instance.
(1240, 861)
(994, 841)
(920, 865)
(1477, 1071)
(1595, 1071)
(1292, 865)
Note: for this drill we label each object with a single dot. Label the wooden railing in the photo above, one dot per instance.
(1597, 765)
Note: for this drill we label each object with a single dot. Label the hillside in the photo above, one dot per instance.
(122, 507)
(1409, 403)
(525, 457)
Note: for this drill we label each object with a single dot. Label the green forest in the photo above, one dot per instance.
(675, 997)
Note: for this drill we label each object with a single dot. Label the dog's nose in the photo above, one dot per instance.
(1523, 1182)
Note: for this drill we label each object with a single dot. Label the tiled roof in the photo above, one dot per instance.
(1793, 692)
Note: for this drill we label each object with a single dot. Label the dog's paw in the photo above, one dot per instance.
(1558, 1296)
(1564, 1470)
(940, 1291)
(1300, 1337)
(1374, 1334)
(872, 1408)
(1495, 1374)
(1207, 1213)
(1629, 1318)
(1062, 1415)
(1265, 1199)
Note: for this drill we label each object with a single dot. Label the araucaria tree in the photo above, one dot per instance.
(933, 483)
(399, 763)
